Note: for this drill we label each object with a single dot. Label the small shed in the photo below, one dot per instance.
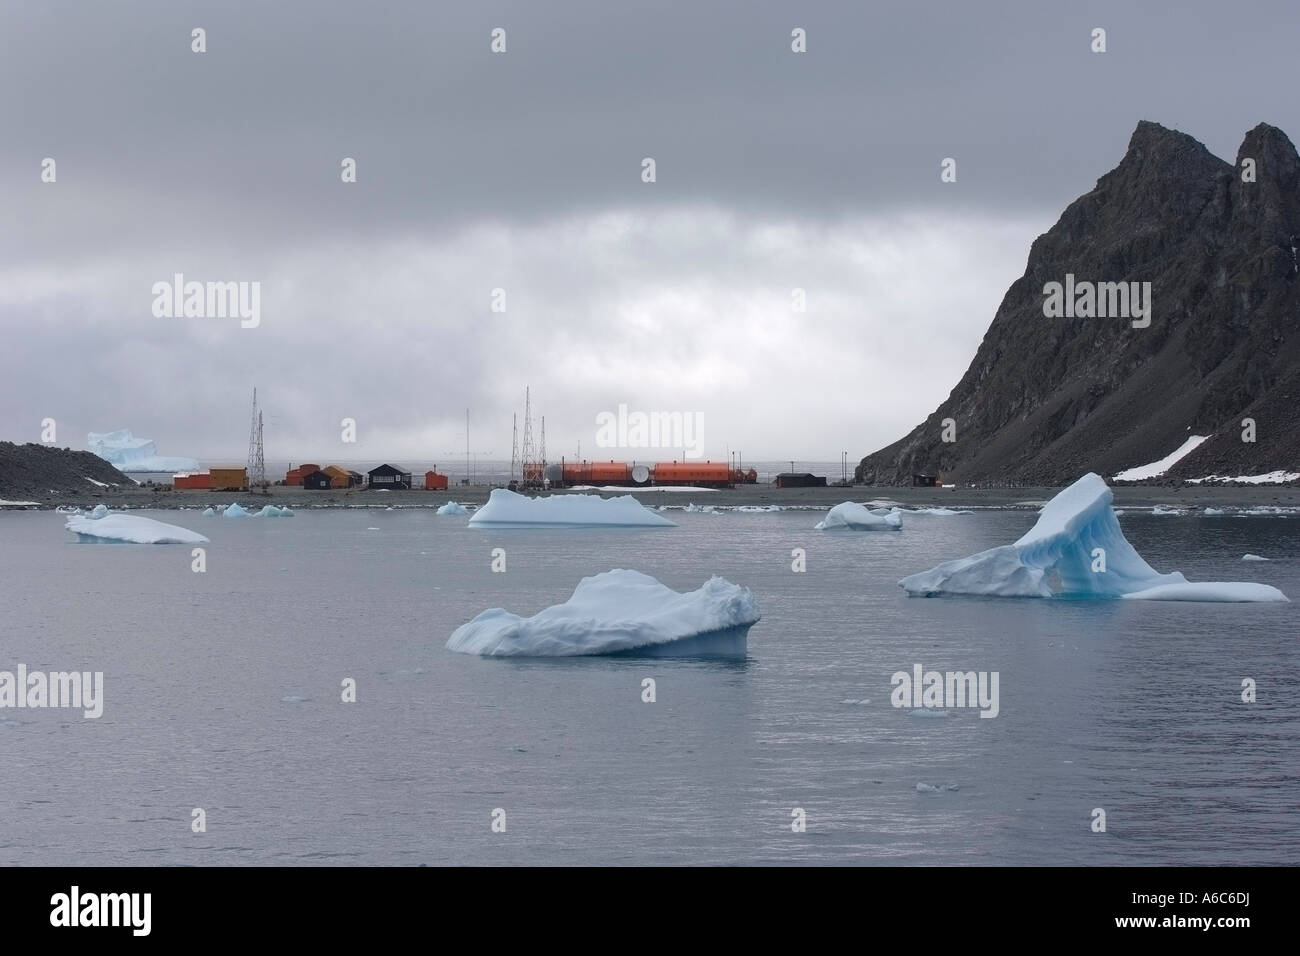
(294, 476)
(790, 479)
(434, 481)
(192, 480)
(386, 476)
(318, 481)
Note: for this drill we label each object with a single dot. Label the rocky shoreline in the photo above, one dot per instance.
(1137, 496)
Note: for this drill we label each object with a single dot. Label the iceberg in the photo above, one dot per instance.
(852, 516)
(452, 508)
(620, 612)
(508, 509)
(1076, 532)
(125, 452)
(101, 525)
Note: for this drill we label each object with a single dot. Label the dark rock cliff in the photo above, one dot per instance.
(1047, 399)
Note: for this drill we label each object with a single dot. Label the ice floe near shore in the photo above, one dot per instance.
(851, 516)
(452, 508)
(509, 509)
(235, 510)
(103, 525)
(620, 612)
(1076, 549)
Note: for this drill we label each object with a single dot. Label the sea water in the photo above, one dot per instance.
(223, 692)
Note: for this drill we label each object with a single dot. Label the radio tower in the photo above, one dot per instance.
(256, 458)
(514, 445)
(530, 466)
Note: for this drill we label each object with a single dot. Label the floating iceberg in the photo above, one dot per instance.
(125, 452)
(1076, 532)
(509, 509)
(620, 612)
(271, 511)
(935, 512)
(208, 512)
(1253, 557)
(852, 516)
(452, 508)
(100, 525)
(233, 510)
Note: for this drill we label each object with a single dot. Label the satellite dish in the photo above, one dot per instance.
(640, 474)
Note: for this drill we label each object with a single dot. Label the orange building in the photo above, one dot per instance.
(339, 477)
(196, 480)
(294, 476)
(434, 481)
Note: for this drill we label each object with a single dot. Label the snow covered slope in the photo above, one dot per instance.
(620, 611)
(1075, 550)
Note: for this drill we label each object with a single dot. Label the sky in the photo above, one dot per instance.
(523, 171)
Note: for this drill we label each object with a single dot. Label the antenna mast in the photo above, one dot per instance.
(256, 456)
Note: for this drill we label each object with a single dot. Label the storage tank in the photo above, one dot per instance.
(706, 474)
(640, 475)
(610, 473)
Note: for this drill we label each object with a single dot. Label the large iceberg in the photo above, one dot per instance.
(508, 509)
(1075, 550)
(620, 612)
(103, 525)
(851, 516)
(125, 452)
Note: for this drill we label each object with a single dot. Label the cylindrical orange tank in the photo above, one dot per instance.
(703, 473)
(610, 473)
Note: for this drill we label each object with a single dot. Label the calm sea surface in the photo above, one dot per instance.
(222, 691)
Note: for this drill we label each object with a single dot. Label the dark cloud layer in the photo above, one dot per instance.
(226, 165)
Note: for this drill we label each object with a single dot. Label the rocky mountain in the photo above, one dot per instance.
(1047, 399)
(31, 470)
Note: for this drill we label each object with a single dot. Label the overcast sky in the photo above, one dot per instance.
(523, 171)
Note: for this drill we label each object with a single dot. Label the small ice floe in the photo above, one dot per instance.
(857, 702)
(851, 516)
(508, 509)
(1254, 557)
(1214, 512)
(452, 508)
(932, 788)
